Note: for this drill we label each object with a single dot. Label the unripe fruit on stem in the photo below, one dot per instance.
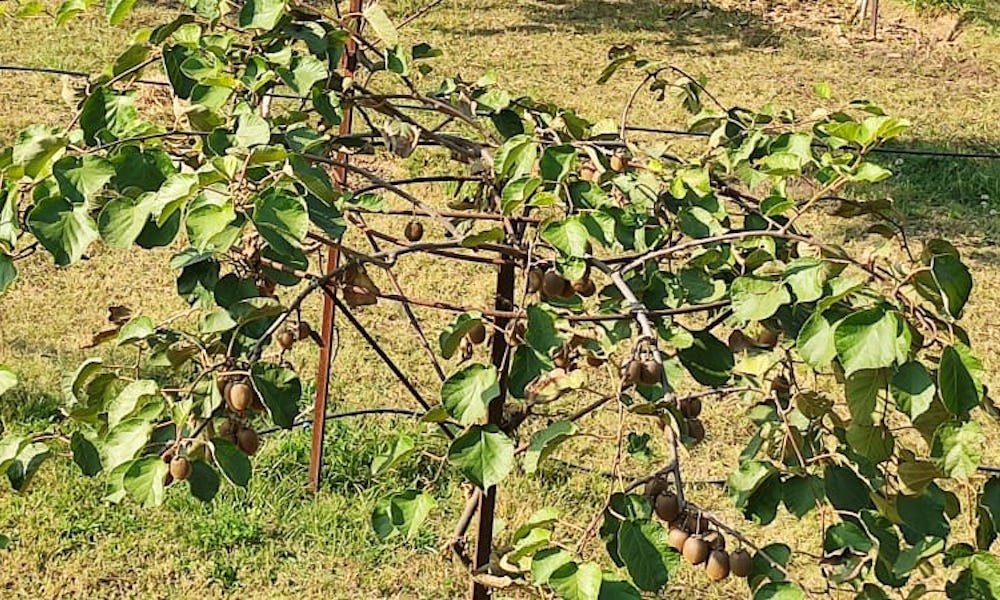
(690, 407)
(535, 277)
(553, 284)
(718, 566)
(286, 339)
(633, 371)
(651, 372)
(677, 537)
(585, 287)
(414, 231)
(180, 468)
(696, 430)
(668, 507)
(695, 550)
(240, 396)
(740, 563)
(477, 335)
(248, 441)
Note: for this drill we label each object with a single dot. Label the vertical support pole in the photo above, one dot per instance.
(349, 63)
(875, 11)
(500, 358)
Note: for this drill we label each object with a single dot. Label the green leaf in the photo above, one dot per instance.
(616, 589)
(401, 513)
(806, 277)
(280, 390)
(124, 441)
(862, 391)
(577, 582)
(643, 547)
(467, 393)
(800, 493)
(80, 179)
(207, 223)
(708, 360)
(953, 280)
(10, 447)
(107, 116)
(874, 442)
(451, 337)
(515, 158)
(546, 562)
(381, 24)
(979, 581)
(131, 398)
(570, 236)
(281, 218)
(137, 329)
(913, 389)
(24, 466)
(846, 535)
(557, 162)
(117, 10)
(8, 274)
(743, 482)
(528, 364)
(144, 481)
(261, 14)
(956, 383)
(122, 220)
(403, 448)
(544, 442)
(484, 455)
(232, 462)
(957, 448)
(305, 72)
(203, 481)
(36, 148)
(779, 590)
(756, 299)
(85, 454)
(866, 340)
(8, 379)
(62, 228)
(252, 130)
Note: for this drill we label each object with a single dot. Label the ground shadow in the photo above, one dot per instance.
(691, 25)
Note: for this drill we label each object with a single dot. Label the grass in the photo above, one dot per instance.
(274, 540)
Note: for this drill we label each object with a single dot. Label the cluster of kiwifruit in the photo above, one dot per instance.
(553, 285)
(691, 409)
(642, 368)
(691, 534)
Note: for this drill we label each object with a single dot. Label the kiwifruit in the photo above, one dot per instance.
(240, 396)
(303, 331)
(717, 567)
(716, 540)
(677, 538)
(588, 174)
(535, 276)
(696, 523)
(553, 284)
(567, 289)
(695, 429)
(695, 550)
(180, 468)
(690, 407)
(414, 231)
(228, 429)
(668, 507)
(248, 441)
(595, 361)
(655, 487)
(562, 360)
(633, 370)
(767, 338)
(740, 563)
(286, 339)
(650, 372)
(477, 335)
(585, 287)
(738, 342)
(617, 163)
(780, 384)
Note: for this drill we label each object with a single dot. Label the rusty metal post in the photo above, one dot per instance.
(501, 360)
(350, 64)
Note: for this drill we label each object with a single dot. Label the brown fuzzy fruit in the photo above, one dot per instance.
(617, 163)
(717, 567)
(553, 284)
(414, 231)
(240, 396)
(180, 468)
(740, 563)
(696, 430)
(767, 338)
(633, 370)
(651, 372)
(562, 360)
(303, 331)
(668, 507)
(595, 361)
(535, 277)
(228, 430)
(585, 287)
(677, 538)
(696, 523)
(780, 385)
(286, 339)
(588, 174)
(695, 550)
(248, 441)
(477, 335)
(690, 407)
(715, 540)
(655, 487)
(738, 342)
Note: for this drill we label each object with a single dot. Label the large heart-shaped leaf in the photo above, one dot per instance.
(484, 455)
